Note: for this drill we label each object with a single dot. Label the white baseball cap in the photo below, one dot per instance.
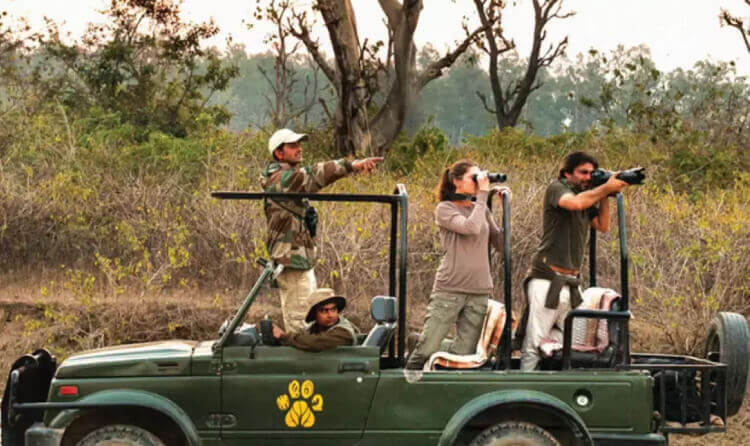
(283, 136)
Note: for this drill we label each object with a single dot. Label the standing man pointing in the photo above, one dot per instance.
(292, 222)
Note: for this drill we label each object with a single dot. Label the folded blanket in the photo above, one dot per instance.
(489, 339)
(588, 335)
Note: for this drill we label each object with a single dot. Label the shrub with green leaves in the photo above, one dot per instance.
(407, 151)
(144, 63)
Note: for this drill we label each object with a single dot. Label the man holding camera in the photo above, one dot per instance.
(292, 222)
(571, 207)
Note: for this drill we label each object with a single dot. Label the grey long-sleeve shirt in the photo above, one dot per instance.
(465, 232)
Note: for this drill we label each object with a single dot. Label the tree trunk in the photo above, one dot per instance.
(388, 122)
(355, 132)
(350, 119)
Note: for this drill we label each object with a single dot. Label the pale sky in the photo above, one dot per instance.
(679, 32)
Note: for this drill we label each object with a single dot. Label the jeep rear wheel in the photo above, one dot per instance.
(515, 434)
(120, 435)
(728, 338)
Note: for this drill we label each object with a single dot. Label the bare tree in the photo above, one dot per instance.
(285, 76)
(363, 80)
(510, 98)
(742, 25)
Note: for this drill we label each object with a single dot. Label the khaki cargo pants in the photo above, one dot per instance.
(467, 311)
(295, 286)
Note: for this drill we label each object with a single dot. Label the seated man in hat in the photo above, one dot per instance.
(326, 327)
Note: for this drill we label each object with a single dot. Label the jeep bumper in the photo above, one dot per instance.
(40, 435)
(626, 439)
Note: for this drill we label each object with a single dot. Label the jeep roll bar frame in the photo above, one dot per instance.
(622, 316)
(505, 347)
(397, 252)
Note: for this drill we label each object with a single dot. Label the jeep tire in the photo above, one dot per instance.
(515, 434)
(728, 336)
(120, 435)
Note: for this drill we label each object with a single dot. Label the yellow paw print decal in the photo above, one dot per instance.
(299, 404)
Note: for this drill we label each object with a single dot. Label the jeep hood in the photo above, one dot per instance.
(165, 358)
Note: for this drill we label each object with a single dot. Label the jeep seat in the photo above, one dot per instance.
(596, 343)
(384, 312)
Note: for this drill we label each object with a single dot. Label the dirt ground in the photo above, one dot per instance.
(67, 324)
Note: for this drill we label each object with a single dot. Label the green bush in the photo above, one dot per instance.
(406, 151)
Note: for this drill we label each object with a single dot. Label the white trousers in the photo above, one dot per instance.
(542, 320)
(295, 287)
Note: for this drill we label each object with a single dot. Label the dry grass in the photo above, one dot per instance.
(121, 242)
(738, 432)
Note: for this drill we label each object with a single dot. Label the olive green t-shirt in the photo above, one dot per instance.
(565, 233)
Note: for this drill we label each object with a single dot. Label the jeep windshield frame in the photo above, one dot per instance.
(397, 252)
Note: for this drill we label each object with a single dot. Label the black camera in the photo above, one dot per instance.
(494, 177)
(266, 332)
(632, 176)
(311, 220)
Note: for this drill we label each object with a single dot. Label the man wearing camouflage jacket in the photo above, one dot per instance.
(289, 241)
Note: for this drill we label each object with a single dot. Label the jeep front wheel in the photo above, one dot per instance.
(515, 434)
(120, 435)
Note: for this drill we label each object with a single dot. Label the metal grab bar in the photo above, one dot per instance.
(504, 348)
(588, 314)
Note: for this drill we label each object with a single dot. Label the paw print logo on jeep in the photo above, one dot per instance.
(300, 403)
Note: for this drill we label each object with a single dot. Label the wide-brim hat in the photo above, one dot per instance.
(283, 136)
(323, 296)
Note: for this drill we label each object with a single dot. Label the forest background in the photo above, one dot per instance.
(111, 144)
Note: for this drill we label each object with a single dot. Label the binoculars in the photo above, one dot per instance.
(494, 177)
(632, 176)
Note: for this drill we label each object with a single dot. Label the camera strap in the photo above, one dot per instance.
(291, 211)
(309, 218)
(460, 197)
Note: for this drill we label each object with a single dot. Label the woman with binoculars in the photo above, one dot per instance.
(463, 282)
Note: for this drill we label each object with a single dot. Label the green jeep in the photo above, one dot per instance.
(239, 390)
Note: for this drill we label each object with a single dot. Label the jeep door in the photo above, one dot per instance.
(284, 396)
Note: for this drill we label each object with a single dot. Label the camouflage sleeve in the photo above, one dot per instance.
(319, 341)
(313, 178)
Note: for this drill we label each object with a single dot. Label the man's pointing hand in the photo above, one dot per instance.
(367, 164)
